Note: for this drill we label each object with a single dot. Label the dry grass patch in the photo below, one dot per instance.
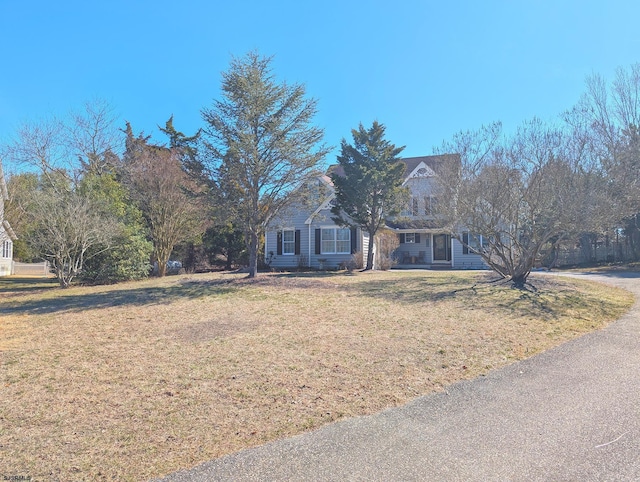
(135, 381)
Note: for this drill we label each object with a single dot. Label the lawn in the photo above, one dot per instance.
(137, 380)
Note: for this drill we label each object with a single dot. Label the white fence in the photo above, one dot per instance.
(31, 269)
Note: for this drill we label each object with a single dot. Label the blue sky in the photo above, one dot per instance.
(425, 69)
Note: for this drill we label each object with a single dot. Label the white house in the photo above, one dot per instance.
(305, 235)
(7, 236)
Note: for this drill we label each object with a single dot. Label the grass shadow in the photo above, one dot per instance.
(109, 298)
(26, 285)
(427, 289)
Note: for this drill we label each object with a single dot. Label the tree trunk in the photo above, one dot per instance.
(229, 261)
(519, 280)
(253, 254)
(370, 253)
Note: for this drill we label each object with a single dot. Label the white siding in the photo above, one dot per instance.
(466, 261)
(414, 249)
(6, 251)
(307, 257)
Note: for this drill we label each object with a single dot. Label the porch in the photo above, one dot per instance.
(426, 250)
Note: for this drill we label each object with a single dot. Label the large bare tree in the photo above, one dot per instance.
(605, 124)
(512, 197)
(92, 137)
(68, 229)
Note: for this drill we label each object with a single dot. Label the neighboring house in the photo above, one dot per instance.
(7, 236)
(306, 236)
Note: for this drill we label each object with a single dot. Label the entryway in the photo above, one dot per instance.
(441, 248)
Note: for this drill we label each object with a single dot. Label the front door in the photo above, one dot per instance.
(441, 248)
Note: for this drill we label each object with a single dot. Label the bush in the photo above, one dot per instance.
(386, 242)
(129, 261)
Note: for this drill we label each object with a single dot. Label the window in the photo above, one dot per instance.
(409, 238)
(335, 240)
(471, 243)
(288, 241)
(6, 249)
(430, 205)
(411, 209)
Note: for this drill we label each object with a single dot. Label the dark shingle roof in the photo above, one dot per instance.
(434, 162)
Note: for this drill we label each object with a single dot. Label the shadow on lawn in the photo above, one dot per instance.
(15, 284)
(425, 290)
(140, 296)
(622, 272)
(543, 298)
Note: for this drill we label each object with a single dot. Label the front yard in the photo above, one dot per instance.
(137, 380)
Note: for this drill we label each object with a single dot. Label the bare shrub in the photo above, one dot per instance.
(386, 242)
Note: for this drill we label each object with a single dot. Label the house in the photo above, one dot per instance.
(424, 242)
(7, 236)
(305, 235)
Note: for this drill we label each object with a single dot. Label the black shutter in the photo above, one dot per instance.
(279, 249)
(297, 241)
(417, 238)
(465, 243)
(401, 238)
(318, 241)
(354, 240)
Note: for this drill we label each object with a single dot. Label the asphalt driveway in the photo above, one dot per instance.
(569, 414)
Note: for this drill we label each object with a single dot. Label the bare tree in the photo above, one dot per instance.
(92, 137)
(66, 231)
(511, 198)
(40, 147)
(84, 141)
(163, 192)
(607, 119)
(6, 231)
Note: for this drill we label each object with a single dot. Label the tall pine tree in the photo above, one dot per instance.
(261, 145)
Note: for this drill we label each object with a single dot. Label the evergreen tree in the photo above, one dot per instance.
(261, 146)
(369, 188)
(186, 146)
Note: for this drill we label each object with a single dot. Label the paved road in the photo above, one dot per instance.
(569, 414)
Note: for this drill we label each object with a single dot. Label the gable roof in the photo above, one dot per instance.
(411, 164)
(433, 162)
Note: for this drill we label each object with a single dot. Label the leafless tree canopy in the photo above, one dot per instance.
(68, 229)
(513, 197)
(162, 190)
